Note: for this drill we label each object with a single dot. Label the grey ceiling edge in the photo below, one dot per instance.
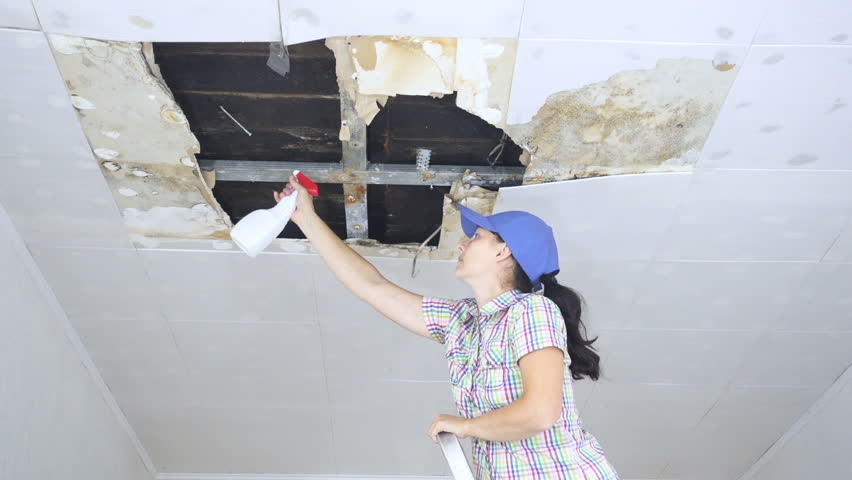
(272, 476)
(20, 246)
(798, 425)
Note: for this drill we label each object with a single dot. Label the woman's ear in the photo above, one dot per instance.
(504, 252)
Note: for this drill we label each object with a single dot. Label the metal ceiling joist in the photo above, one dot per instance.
(353, 136)
(374, 174)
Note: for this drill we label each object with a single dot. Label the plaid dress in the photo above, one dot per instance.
(483, 348)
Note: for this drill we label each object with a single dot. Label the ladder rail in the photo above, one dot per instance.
(454, 455)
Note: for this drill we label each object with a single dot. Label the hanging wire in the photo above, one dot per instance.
(422, 246)
(497, 151)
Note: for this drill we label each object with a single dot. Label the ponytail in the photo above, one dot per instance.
(585, 361)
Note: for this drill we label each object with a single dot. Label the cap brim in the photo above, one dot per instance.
(470, 220)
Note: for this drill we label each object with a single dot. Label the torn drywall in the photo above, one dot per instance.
(476, 198)
(141, 139)
(480, 70)
(636, 121)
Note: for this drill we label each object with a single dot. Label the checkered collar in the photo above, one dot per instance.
(501, 302)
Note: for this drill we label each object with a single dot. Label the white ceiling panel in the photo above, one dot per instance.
(163, 21)
(813, 22)
(398, 445)
(257, 350)
(165, 391)
(18, 14)
(799, 359)
(544, 67)
(50, 182)
(306, 20)
(739, 428)
(841, 251)
(359, 342)
(608, 289)
(823, 303)
(744, 215)
(245, 440)
(715, 295)
(620, 217)
(99, 284)
(131, 348)
(640, 425)
(706, 358)
(790, 108)
(820, 448)
(230, 287)
(727, 21)
(634, 405)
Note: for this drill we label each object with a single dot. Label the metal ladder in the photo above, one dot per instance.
(455, 456)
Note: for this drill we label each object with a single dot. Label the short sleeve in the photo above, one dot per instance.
(537, 324)
(439, 314)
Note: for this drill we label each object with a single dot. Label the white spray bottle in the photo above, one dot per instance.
(257, 229)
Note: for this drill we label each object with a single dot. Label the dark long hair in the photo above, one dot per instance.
(585, 361)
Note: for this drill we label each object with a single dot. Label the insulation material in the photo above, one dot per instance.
(476, 198)
(480, 70)
(634, 122)
(141, 139)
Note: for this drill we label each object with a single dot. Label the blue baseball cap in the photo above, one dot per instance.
(529, 238)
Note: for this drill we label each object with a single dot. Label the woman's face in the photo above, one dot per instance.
(479, 255)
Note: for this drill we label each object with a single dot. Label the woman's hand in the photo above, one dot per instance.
(450, 424)
(304, 202)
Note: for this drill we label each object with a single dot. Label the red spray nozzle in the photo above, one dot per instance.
(306, 182)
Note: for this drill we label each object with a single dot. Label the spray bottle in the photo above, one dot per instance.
(257, 229)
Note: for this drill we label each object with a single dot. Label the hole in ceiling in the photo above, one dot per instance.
(226, 91)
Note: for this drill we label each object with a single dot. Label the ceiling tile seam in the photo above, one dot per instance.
(631, 42)
(733, 87)
(802, 45)
(832, 391)
(72, 336)
(330, 409)
(18, 29)
(35, 14)
(282, 323)
(517, 39)
(834, 242)
(659, 242)
(678, 330)
(773, 170)
(161, 312)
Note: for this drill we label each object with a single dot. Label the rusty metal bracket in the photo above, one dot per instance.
(353, 135)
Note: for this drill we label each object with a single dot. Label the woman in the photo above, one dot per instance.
(513, 354)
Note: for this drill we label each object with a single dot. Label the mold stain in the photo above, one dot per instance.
(636, 121)
(140, 22)
(141, 138)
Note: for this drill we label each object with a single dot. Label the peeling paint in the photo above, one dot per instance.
(106, 153)
(81, 103)
(480, 70)
(636, 121)
(139, 123)
(177, 221)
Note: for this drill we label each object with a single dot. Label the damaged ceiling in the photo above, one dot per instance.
(443, 101)
(718, 142)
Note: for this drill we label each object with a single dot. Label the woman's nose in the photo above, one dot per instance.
(462, 245)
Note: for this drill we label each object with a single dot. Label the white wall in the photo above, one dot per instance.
(821, 447)
(54, 420)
